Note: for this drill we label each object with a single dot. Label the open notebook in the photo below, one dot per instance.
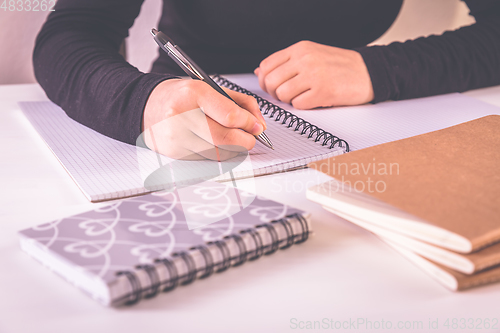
(106, 169)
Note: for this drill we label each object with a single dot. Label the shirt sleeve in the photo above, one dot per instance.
(77, 62)
(460, 60)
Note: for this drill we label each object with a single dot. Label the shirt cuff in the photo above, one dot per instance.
(383, 83)
(138, 100)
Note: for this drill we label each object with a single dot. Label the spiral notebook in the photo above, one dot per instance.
(106, 169)
(135, 248)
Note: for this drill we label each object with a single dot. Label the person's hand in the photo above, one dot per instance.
(185, 119)
(309, 75)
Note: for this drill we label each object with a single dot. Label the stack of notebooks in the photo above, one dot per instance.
(435, 198)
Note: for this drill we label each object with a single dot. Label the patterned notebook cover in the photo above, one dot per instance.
(137, 247)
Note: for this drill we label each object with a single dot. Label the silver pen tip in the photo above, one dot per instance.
(262, 137)
(154, 31)
(266, 138)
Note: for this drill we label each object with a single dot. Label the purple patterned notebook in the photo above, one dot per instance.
(138, 247)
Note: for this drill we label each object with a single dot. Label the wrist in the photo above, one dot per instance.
(153, 99)
(383, 84)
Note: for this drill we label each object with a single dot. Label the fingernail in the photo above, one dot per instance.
(257, 128)
(263, 122)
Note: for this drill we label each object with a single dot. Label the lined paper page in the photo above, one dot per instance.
(103, 168)
(372, 124)
(107, 169)
(291, 150)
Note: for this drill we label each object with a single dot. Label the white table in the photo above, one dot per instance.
(342, 273)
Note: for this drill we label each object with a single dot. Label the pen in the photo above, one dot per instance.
(194, 71)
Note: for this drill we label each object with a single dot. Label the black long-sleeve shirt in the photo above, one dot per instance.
(76, 57)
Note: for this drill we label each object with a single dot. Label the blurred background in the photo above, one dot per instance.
(19, 29)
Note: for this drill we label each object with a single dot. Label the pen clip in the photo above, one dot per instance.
(181, 60)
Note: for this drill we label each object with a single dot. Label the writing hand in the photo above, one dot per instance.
(185, 119)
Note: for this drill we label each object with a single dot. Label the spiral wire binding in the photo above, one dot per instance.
(174, 279)
(305, 228)
(280, 114)
(153, 277)
(226, 255)
(289, 233)
(257, 241)
(191, 267)
(242, 254)
(209, 260)
(135, 295)
(275, 241)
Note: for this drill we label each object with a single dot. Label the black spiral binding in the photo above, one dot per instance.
(304, 226)
(226, 255)
(289, 233)
(174, 279)
(209, 260)
(242, 249)
(275, 241)
(259, 247)
(190, 265)
(280, 114)
(135, 295)
(153, 277)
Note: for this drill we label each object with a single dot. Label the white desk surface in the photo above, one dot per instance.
(342, 273)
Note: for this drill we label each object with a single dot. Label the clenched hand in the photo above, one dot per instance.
(309, 75)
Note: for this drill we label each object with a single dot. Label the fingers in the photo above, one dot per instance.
(292, 88)
(248, 103)
(226, 112)
(279, 76)
(221, 136)
(177, 138)
(307, 100)
(269, 64)
(285, 83)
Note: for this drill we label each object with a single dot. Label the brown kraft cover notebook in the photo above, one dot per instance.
(449, 178)
(453, 280)
(465, 263)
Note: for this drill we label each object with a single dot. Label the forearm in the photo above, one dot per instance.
(76, 61)
(460, 60)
